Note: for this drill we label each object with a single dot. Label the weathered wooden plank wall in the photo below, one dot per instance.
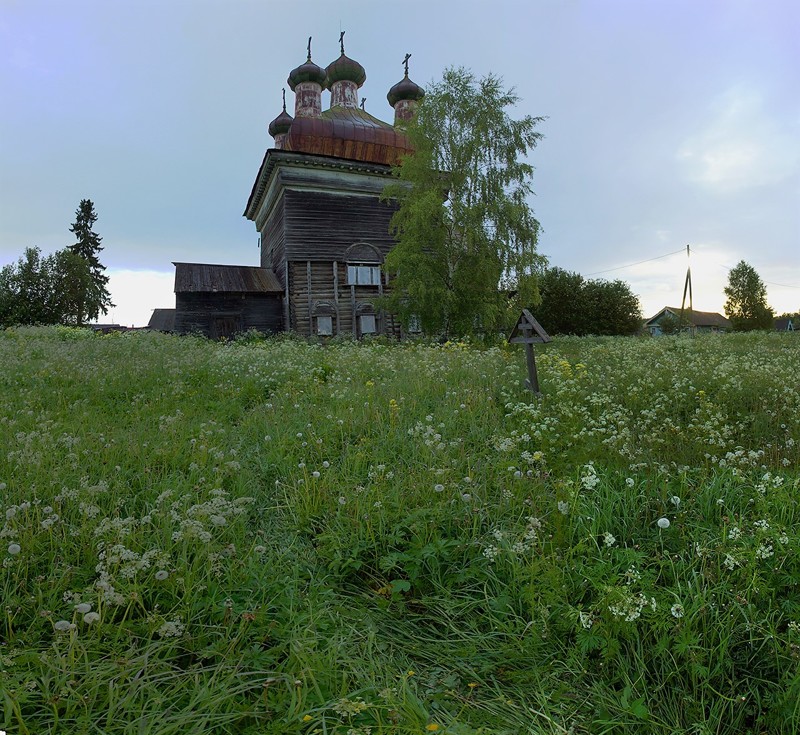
(273, 243)
(321, 287)
(321, 226)
(224, 314)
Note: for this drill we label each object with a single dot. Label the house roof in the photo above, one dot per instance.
(162, 320)
(697, 318)
(205, 277)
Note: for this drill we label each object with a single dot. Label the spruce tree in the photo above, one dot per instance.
(90, 297)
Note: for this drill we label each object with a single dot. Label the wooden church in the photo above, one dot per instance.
(316, 204)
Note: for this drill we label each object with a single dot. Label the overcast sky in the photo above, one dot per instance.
(669, 122)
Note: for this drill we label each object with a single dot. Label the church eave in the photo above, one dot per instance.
(274, 157)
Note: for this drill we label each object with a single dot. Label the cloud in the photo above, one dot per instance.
(743, 145)
(136, 293)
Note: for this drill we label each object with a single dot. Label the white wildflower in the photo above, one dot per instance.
(171, 628)
(677, 611)
(14, 549)
(663, 523)
(764, 551)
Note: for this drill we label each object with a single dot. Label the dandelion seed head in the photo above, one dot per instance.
(663, 523)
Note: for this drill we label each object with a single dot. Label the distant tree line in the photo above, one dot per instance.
(572, 304)
(67, 287)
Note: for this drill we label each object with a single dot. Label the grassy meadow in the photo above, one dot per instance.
(268, 537)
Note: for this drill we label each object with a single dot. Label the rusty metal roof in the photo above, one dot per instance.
(205, 277)
(346, 132)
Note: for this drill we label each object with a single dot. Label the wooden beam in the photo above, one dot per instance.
(336, 292)
(310, 318)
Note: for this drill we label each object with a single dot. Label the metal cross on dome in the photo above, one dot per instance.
(405, 62)
(341, 41)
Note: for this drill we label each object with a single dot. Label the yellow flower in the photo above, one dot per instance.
(433, 727)
(472, 685)
(409, 673)
(307, 718)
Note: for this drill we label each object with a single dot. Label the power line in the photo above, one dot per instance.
(630, 265)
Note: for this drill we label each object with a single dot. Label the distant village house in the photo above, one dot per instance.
(693, 321)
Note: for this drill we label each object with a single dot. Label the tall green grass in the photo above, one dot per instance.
(277, 537)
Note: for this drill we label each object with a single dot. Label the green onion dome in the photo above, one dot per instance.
(308, 72)
(344, 68)
(281, 124)
(405, 89)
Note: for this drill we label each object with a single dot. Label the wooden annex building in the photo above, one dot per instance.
(324, 232)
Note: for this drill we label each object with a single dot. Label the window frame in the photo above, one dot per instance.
(361, 318)
(319, 330)
(355, 272)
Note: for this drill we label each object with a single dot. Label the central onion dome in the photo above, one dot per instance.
(345, 68)
(343, 78)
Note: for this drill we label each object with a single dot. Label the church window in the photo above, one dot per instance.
(368, 324)
(363, 275)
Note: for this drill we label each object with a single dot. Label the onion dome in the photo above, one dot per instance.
(282, 123)
(308, 72)
(405, 89)
(404, 96)
(345, 69)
